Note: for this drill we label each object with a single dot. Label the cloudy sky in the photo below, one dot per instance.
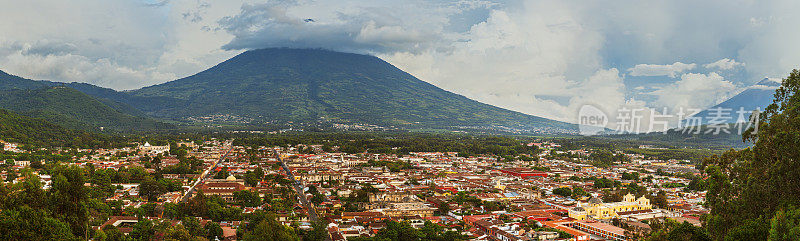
(545, 58)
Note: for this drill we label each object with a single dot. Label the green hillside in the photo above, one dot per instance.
(8, 81)
(21, 129)
(303, 85)
(73, 109)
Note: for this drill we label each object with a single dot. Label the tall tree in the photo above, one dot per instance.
(785, 226)
(25, 223)
(213, 231)
(270, 229)
(746, 188)
(247, 198)
(150, 189)
(68, 198)
(318, 233)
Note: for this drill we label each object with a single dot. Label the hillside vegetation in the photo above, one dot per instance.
(37, 132)
(73, 109)
(303, 85)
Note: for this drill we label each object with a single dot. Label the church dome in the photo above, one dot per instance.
(231, 178)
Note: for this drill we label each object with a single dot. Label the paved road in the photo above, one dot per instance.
(298, 188)
(205, 174)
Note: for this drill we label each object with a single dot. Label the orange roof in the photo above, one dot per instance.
(576, 233)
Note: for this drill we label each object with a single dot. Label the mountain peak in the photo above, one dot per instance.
(284, 85)
(757, 96)
(771, 82)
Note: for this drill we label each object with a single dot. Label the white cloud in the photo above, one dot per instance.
(534, 58)
(772, 46)
(723, 64)
(767, 84)
(670, 70)
(70, 67)
(697, 91)
(763, 87)
(117, 44)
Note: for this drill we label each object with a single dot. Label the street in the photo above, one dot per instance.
(205, 174)
(298, 188)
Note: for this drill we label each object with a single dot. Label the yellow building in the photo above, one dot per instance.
(596, 209)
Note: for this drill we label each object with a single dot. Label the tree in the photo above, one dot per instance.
(463, 197)
(177, 232)
(102, 181)
(150, 189)
(318, 233)
(100, 235)
(172, 210)
(252, 178)
(26, 223)
(563, 191)
(68, 198)
(32, 193)
(785, 225)
(670, 230)
(213, 231)
(636, 190)
(247, 198)
(697, 184)
(197, 205)
(113, 234)
(222, 174)
(11, 176)
(604, 158)
(193, 226)
(578, 192)
(660, 199)
(444, 208)
(492, 206)
(403, 231)
(143, 229)
(749, 187)
(604, 183)
(630, 176)
(270, 229)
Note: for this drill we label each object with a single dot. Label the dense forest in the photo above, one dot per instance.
(37, 132)
(75, 110)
